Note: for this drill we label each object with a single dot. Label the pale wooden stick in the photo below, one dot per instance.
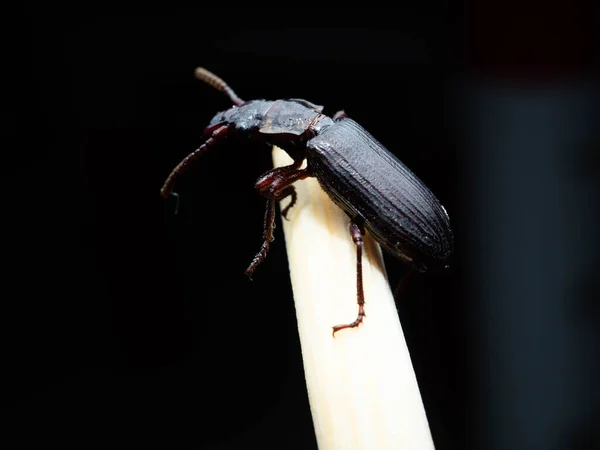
(362, 388)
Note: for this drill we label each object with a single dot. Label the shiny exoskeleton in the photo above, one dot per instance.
(375, 189)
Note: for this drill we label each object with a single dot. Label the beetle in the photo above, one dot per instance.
(373, 187)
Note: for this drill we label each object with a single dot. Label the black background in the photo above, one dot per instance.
(124, 323)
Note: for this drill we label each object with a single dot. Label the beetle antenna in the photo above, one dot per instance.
(216, 82)
(217, 135)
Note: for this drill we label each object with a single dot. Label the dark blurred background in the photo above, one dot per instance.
(123, 323)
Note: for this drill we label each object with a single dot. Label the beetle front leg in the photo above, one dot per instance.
(357, 232)
(265, 182)
(275, 185)
(268, 228)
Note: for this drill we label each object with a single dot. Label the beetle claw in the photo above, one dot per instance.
(284, 213)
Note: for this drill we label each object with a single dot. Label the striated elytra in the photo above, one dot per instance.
(373, 187)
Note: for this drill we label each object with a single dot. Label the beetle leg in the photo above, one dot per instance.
(289, 191)
(167, 188)
(357, 232)
(268, 178)
(274, 185)
(269, 226)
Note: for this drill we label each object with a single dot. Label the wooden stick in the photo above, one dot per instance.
(362, 388)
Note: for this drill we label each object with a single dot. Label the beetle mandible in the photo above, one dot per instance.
(373, 187)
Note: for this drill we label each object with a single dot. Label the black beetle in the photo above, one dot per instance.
(375, 189)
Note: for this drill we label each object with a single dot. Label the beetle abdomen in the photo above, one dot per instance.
(372, 186)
